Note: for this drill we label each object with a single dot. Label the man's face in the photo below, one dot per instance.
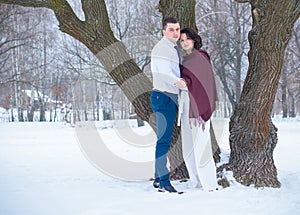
(172, 32)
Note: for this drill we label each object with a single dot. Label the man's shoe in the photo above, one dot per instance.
(155, 184)
(168, 188)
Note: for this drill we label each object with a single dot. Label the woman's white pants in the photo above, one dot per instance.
(196, 148)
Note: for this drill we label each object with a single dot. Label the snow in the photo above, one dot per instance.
(44, 170)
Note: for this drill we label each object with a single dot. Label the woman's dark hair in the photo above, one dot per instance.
(191, 34)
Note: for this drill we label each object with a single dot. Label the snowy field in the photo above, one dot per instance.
(44, 170)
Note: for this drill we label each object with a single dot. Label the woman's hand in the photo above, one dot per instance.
(180, 84)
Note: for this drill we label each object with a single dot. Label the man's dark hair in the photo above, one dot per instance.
(191, 34)
(168, 20)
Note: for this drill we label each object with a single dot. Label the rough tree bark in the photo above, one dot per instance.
(182, 10)
(253, 136)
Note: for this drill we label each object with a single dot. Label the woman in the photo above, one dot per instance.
(196, 104)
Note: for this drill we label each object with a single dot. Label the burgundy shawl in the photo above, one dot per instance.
(198, 74)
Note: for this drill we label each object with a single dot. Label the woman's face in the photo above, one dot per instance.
(186, 42)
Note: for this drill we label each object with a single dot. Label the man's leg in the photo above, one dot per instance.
(165, 123)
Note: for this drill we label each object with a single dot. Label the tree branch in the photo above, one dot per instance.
(96, 14)
(29, 3)
(242, 1)
(68, 21)
(297, 10)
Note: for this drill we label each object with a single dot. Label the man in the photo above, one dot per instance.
(165, 61)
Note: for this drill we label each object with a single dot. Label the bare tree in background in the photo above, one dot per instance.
(224, 30)
(290, 77)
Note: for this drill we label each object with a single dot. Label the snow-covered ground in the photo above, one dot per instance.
(44, 169)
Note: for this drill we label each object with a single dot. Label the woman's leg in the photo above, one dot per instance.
(187, 142)
(204, 158)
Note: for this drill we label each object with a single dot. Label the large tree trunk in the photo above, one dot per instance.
(253, 136)
(182, 10)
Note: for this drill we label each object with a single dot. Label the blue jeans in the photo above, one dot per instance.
(165, 107)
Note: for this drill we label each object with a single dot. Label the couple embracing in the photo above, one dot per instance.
(188, 88)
